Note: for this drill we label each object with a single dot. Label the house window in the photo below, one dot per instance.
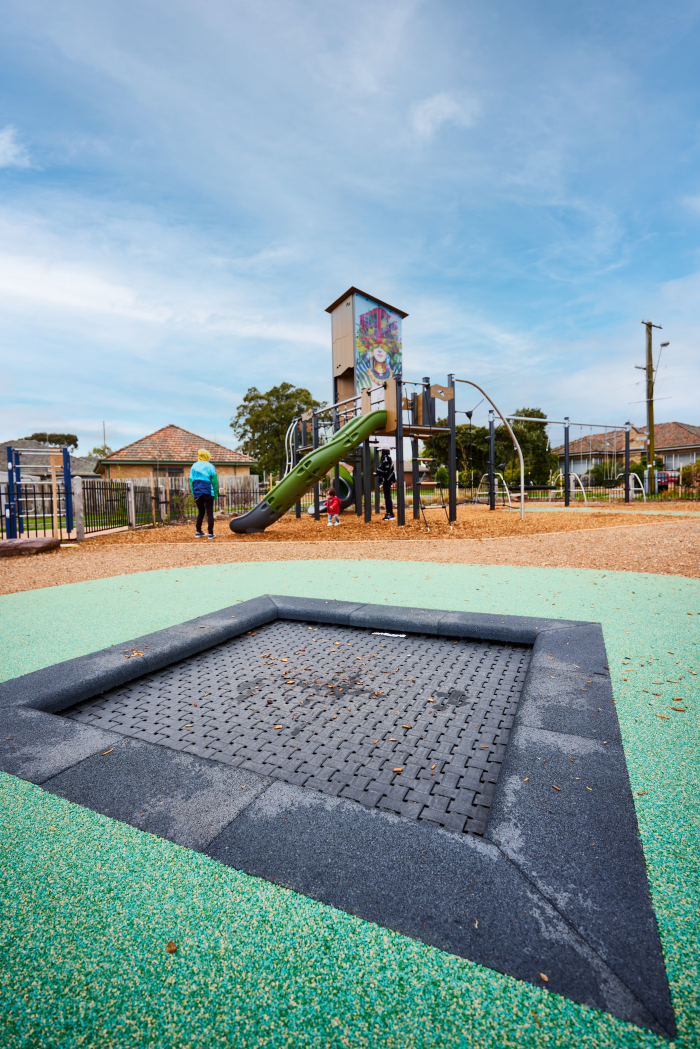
(169, 471)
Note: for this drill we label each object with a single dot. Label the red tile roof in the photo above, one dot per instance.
(175, 445)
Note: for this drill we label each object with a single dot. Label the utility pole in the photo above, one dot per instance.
(649, 369)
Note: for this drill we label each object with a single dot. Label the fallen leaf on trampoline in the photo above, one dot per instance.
(107, 751)
(641, 792)
(543, 977)
(537, 1019)
(399, 769)
(664, 716)
(677, 708)
(277, 726)
(171, 947)
(556, 787)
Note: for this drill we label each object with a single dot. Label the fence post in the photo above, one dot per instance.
(162, 505)
(78, 508)
(130, 505)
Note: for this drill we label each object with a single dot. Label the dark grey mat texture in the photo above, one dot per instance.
(556, 885)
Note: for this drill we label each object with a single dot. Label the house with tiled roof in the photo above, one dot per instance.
(676, 443)
(170, 452)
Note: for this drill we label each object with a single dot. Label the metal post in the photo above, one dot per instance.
(357, 481)
(78, 506)
(566, 460)
(367, 477)
(18, 495)
(314, 441)
(492, 460)
(452, 451)
(428, 403)
(416, 477)
(10, 509)
(627, 462)
(377, 495)
(68, 491)
(398, 465)
(162, 506)
(295, 454)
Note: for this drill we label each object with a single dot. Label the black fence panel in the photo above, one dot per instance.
(105, 505)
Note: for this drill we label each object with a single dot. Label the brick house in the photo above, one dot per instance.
(170, 452)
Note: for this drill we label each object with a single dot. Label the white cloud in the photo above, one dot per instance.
(428, 116)
(12, 153)
(693, 203)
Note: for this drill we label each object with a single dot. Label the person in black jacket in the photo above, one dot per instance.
(387, 477)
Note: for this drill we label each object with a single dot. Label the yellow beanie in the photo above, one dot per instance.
(203, 454)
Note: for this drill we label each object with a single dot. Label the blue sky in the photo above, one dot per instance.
(185, 187)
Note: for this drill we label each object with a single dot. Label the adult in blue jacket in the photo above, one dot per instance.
(204, 485)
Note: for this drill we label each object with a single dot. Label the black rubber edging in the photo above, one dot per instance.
(558, 884)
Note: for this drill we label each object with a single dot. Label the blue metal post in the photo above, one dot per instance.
(11, 509)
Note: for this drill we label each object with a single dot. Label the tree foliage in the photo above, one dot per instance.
(473, 449)
(262, 420)
(68, 439)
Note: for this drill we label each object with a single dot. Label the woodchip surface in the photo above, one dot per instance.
(603, 540)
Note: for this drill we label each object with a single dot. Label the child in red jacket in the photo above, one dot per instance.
(333, 507)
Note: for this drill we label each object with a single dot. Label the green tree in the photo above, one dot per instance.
(102, 450)
(67, 439)
(262, 420)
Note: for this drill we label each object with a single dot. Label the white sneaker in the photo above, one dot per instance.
(330, 524)
(336, 523)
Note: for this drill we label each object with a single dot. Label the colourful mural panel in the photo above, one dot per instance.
(377, 343)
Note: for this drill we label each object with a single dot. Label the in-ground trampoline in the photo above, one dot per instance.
(459, 778)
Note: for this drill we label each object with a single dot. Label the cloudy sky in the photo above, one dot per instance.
(184, 188)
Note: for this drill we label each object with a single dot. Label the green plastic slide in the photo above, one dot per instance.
(308, 472)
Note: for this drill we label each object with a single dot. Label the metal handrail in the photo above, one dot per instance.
(468, 382)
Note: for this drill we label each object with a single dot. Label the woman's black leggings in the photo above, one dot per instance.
(387, 498)
(205, 503)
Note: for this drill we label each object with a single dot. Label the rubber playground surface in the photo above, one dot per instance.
(90, 904)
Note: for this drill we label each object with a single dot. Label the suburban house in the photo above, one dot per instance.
(678, 444)
(170, 452)
(36, 468)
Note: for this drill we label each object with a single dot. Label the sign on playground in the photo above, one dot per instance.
(377, 343)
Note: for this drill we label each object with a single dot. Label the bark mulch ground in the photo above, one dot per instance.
(600, 540)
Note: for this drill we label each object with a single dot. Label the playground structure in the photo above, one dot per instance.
(340, 434)
(14, 510)
(570, 477)
(373, 402)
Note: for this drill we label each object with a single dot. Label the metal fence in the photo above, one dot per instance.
(34, 509)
